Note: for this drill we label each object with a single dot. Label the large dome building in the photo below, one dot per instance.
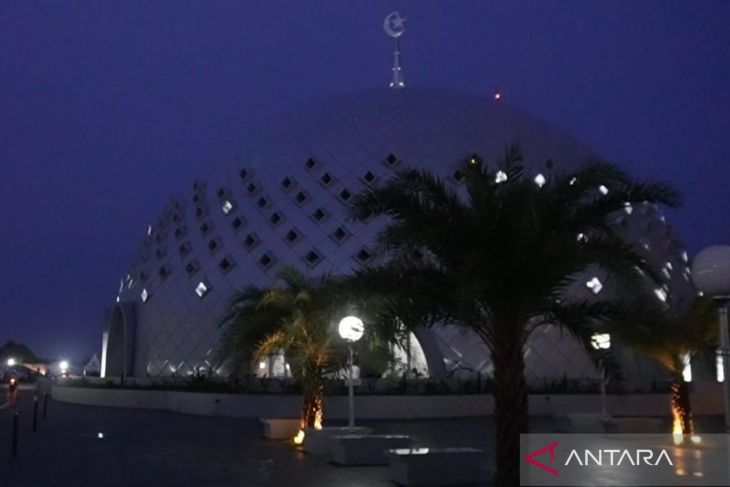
(284, 200)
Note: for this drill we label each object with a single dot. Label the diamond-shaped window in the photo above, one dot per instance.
(457, 176)
(301, 198)
(310, 164)
(319, 215)
(206, 227)
(391, 160)
(192, 267)
(287, 183)
(262, 202)
(326, 179)
(227, 263)
(345, 195)
(252, 188)
(243, 173)
(266, 260)
(340, 234)
(292, 236)
(238, 223)
(276, 218)
(163, 271)
(363, 255)
(250, 241)
(369, 177)
(214, 244)
(313, 257)
(180, 232)
(202, 289)
(185, 248)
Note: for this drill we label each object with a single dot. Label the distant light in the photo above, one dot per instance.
(684, 256)
(351, 328)
(149, 230)
(11, 362)
(572, 181)
(540, 180)
(594, 285)
(500, 177)
(603, 189)
(497, 95)
(63, 365)
(227, 207)
(719, 367)
(100, 435)
(628, 208)
(661, 294)
(288, 367)
(201, 289)
(117, 299)
(687, 369)
(144, 295)
(601, 341)
(262, 365)
(581, 237)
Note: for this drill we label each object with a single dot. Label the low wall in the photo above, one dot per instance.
(707, 400)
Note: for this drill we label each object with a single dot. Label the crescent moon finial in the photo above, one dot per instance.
(393, 25)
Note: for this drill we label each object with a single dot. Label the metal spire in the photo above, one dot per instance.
(393, 26)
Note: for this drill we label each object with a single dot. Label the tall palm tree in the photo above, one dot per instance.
(299, 318)
(499, 255)
(672, 337)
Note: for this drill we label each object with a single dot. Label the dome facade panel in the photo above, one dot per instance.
(283, 200)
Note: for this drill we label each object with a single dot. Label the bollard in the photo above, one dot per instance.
(35, 413)
(14, 448)
(45, 404)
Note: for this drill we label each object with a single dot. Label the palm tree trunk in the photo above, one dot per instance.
(681, 406)
(510, 401)
(313, 400)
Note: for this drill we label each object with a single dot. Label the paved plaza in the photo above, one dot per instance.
(160, 449)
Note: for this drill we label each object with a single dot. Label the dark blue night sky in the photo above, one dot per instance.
(106, 108)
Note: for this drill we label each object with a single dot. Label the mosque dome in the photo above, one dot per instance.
(283, 200)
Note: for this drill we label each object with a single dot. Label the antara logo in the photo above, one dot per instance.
(530, 458)
(638, 457)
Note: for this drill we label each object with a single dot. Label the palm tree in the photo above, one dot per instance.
(499, 255)
(673, 338)
(299, 318)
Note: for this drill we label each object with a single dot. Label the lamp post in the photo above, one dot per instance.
(602, 341)
(351, 330)
(711, 275)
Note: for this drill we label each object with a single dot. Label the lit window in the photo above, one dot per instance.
(581, 237)
(201, 289)
(144, 295)
(227, 207)
(149, 230)
(661, 294)
(628, 208)
(684, 256)
(601, 341)
(603, 189)
(540, 180)
(666, 273)
(572, 181)
(594, 285)
(720, 367)
(500, 177)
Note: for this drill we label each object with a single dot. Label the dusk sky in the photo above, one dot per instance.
(107, 108)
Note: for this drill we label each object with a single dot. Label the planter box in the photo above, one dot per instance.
(367, 449)
(321, 442)
(437, 466)
(280, 428)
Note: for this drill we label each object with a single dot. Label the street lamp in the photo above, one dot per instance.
(11, 362)
(711, 275)
(602, 341)
(351, 329)
(63, 365)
